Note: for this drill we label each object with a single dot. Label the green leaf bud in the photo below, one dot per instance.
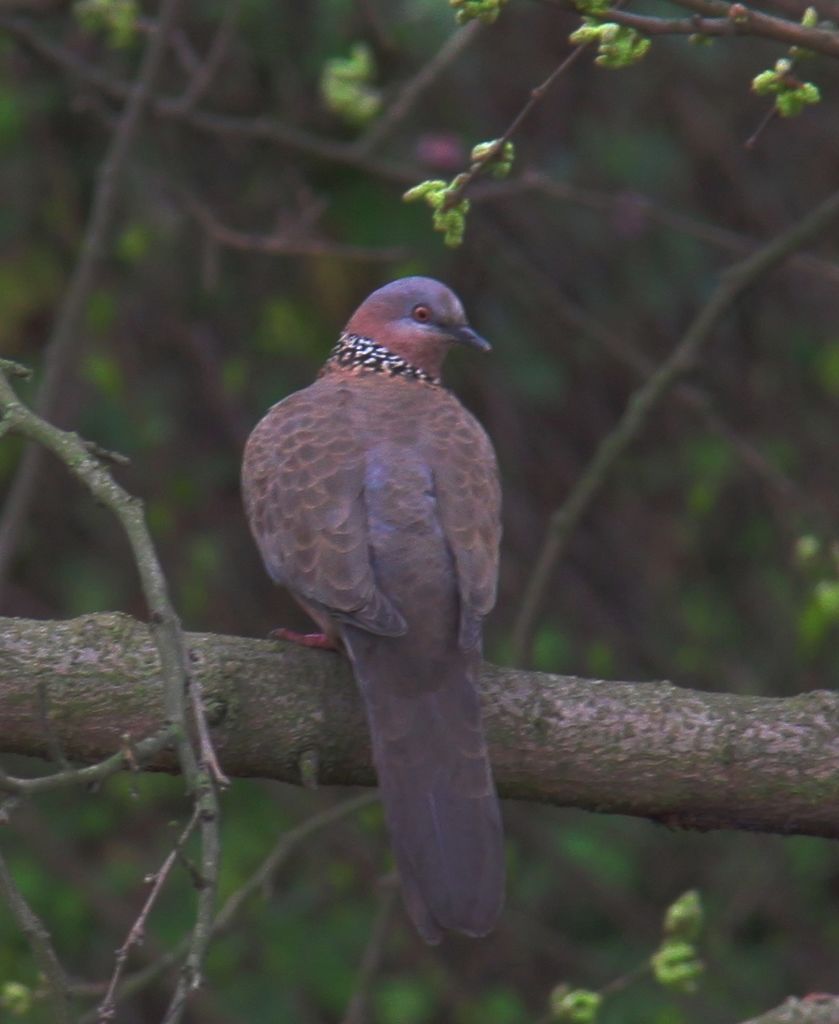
(499, 164)
(620, 46)
(807, 548)
(676, 966)
(428, 190)
(586, 33)
(346, 89)
(766, 83)
(683, 918)
(116, 18)
(16, 998)
(597, 8)
(826, 594)
(810, 18)
(486, 11)
(574, 1006)
(793, 100)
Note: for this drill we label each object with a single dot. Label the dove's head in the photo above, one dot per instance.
(416, 318)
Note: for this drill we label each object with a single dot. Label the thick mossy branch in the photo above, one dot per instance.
(681, 757)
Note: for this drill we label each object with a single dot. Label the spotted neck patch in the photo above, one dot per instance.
(354, 352)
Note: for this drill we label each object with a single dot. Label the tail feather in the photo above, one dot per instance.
(435, 780)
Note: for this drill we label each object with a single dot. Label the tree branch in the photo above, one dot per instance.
(681, 757)
(227, 126)
(745, 21)
(726, 21)
(809, 1010)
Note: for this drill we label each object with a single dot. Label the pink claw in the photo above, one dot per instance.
(318, 640)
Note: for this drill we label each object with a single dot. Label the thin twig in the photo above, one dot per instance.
(208, 757)
(282, 850)
(206, 71)
(453, 195)
(407, 99)
(140, 753)
(644, 400)
(765, 121)
(624, 351)
(40, 944)
(66, 334)
(284, 242)
(107, 1008)
(616, 203)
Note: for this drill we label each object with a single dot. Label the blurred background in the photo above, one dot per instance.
(235, 256)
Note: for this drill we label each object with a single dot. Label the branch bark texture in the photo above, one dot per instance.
(684, 758)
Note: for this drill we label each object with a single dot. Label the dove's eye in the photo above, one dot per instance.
(421, 314)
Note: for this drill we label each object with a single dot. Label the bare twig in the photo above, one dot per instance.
(204, 74)
(644, 400)
(454, 195)
(40, 944)
(765, 121)
(107, 1008)
(209, 761)
(624, 351)
(431, 70)
(140, 753)
(618, 203)
(256, 883)
(283, 242)
(66, 336)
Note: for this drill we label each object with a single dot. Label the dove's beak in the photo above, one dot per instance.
(464, 335)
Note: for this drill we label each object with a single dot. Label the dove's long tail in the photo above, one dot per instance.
(435, 781)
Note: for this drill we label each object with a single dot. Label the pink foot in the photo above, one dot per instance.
(319, 640)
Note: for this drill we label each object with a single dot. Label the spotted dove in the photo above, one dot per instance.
(373, 497)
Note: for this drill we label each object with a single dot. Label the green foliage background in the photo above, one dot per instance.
(685, 569)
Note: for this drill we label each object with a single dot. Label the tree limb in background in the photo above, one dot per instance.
(623, 349)
(65, 336)
(225, 126)
(202, 77)
(681, 757)
(643, 401)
